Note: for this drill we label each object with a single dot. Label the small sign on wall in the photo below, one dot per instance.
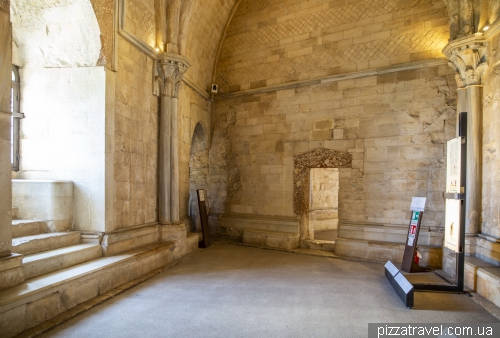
(418, 203)
(453, 165)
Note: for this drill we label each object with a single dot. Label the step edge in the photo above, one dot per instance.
(17, 300)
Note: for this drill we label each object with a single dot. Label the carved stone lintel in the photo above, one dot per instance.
(5, 5)
(470, 61)
(169, 72)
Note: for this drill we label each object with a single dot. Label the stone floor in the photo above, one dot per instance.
(236, 291)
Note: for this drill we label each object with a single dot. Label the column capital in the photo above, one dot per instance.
(169, 71)
(469, 57)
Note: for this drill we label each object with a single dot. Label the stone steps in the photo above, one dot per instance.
(45, 262)
(480, 275)
(41, 298)
(27, 245)
(22, 228)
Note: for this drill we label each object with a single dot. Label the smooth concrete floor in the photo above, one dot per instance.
(236, 291)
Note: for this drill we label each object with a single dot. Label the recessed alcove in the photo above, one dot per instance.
(315, 194)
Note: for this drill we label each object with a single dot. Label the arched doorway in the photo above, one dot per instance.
(198, 172)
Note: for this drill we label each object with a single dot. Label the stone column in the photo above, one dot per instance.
(171, 69)
(469, 58)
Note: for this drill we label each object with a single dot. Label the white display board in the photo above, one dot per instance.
(452, 225)
(453, 165)
(418, 203)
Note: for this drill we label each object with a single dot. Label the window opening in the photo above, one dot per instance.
(15, 108)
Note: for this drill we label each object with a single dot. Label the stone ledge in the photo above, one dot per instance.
(391, 234)
(488, 284)
(44, 242)
(129, 238)
(488, 250)
(259, 222)
(317, 244)
(383, 251)
(41, 298)
(334, 78)
(271, 239)
(49, 200)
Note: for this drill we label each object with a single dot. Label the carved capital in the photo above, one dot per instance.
(470, 61)
(5, 5)
(169, 72)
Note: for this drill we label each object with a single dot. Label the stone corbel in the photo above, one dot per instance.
(470, 61)
(169, 72)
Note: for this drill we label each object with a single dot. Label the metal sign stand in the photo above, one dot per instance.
(409, 264)
(404, 289)
(460, 255)
(205, 242)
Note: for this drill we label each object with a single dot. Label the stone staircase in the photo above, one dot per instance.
(60, 272)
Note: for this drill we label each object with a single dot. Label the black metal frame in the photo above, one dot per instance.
(460, 256)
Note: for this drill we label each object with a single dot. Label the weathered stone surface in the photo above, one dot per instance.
(224, 175)
(5, 116)
(59, 33)
(313, 39)
(135, 154)
(318, 158)
(51, 201)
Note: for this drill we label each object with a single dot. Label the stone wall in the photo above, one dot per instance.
(136, 135)
(193, 113)
(394, 125)
(205, 30)
(55, 34)
(5, 117)
(271, 42)
(104, 12)
(63, 135)
(491, 140)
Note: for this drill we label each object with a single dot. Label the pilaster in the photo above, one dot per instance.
(170, 71)
(469, 55)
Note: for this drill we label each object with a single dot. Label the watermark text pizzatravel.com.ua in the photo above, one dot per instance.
(376, 330)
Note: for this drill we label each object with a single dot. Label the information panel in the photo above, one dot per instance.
(453, 165)
(452, 225)
(418, 203)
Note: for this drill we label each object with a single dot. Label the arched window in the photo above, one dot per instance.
(15, 107)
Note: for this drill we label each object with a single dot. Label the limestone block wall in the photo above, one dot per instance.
(104, 12)
(194, 117)
(271, 42)
(491, 140)
(63, 134)
(49, 34)
(135, 138)
(394, 125)
(206, 26)
(5, 117)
